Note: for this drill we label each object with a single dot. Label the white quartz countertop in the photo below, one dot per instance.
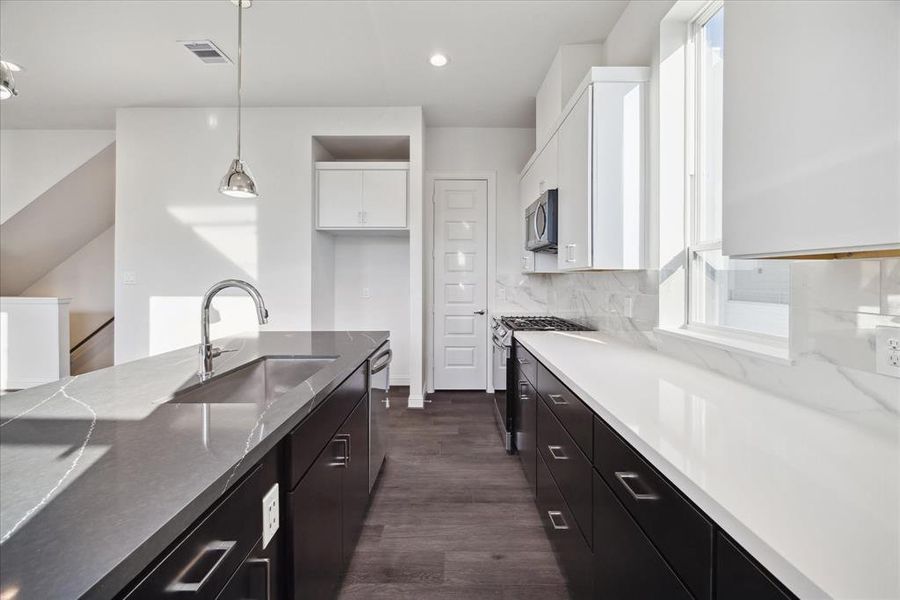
(812, 496)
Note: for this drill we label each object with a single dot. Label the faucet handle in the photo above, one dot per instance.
(220, 351)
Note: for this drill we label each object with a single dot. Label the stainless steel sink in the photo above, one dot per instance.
(259, 381)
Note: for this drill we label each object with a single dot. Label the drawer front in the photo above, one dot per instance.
(568, 408)
(682, 533)
(568, 466)
(526, 364)
(307, 440)
(626, 565)
(201, 564)
(572, 553)
(526, 428)
(739, 578)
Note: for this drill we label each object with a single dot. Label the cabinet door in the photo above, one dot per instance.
(738, 578)
(258, 577)
(525, 420)
(626, 565)
(355, 486)
(340, 198)
(315, 516)
(574, 186)
(384, 198)
(545, 168)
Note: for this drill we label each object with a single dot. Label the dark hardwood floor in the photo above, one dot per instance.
(452, 517)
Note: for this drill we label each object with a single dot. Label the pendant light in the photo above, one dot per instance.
(238, 182)
(7, 81)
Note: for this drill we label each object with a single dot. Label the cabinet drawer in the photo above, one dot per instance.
(626, 565)
(202, 563)
(739, 578)
(526, 363)
(683, 534)
(307, 440)
(570, 469)
(526, 428)
(568, 408)
(572, 553)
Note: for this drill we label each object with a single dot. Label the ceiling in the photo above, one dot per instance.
(85, 58)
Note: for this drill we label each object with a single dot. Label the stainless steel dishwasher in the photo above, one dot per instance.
(379, 403)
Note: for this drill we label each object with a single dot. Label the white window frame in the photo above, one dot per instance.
(722, 334)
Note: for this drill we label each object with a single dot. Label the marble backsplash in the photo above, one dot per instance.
(835, 307)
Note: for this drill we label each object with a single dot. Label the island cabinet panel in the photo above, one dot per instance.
(739, 578)
(200, 565)
(526, 427)
(258, 577)
(682, 533)
(315, 526)
(574, 414)
(569, 468)
(572, 552)
(526, 363)
(355, 477)
(626, 565)
(327, 508)
(307, 440)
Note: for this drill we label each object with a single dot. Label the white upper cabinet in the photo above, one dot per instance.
(602, 200)
(353, 195)
(811, 128)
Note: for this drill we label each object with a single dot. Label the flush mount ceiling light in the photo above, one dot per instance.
(438, 60)
(238, 182)
(7, 81)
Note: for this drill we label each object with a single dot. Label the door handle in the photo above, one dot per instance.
(267, 565)
(479, 312)
(554, 515)
(194, 586)
(625, 476)
(557, 399)
(570, 252)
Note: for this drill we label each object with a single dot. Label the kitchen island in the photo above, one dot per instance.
(106, 475)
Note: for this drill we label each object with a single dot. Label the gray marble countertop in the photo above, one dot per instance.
(100, 474)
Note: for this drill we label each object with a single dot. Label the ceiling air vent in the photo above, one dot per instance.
(206, 51)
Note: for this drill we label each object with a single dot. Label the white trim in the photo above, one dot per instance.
(415, 401)
(777, 353)
(400, 380)
(361, 165)
(428, 200)
(33, 300)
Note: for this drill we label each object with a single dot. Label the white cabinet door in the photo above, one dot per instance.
(545, 168)
(812, 128)
(340, 198)
(574, 185)
(384, 198)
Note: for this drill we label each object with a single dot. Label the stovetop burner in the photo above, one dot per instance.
(539, 324)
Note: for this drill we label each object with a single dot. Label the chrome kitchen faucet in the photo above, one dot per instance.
(207, 352)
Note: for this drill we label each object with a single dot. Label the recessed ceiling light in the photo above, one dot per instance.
(12, 66)
(438, 60)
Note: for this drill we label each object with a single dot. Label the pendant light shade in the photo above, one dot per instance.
(7, 82)
(238, 182)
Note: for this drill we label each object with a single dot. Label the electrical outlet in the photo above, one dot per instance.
(129, 278)
(366, 293)
(887, 350)
(270, 515)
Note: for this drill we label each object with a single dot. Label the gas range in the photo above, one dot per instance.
(503, 327)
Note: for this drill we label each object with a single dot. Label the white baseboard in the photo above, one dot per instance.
(400, 380)
(416, 401)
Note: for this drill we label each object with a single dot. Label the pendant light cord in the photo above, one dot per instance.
(240, 68)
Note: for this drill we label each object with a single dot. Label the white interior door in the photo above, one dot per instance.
(460, 284)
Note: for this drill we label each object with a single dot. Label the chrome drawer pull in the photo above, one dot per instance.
(267, 565)
(180, 586)
(344, 460)
(553, 452)
(558, 400)
(554, 515)
(625, 476)
(522, 361)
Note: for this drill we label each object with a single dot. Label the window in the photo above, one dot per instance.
(729, 296)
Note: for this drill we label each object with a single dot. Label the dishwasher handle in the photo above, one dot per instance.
(379, 367)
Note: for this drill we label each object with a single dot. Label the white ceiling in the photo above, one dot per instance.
(85, 58)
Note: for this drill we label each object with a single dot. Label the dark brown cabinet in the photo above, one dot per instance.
(739, 578)
(315, 526)
(626, 564)
(258, 577)
(526, 427)
(355, 477)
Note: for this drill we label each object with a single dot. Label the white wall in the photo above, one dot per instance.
(177, 235)
(504, 150)
(87, 278)
(377, 265)
(33, 160)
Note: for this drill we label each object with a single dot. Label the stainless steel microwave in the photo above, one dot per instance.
(541, 229)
